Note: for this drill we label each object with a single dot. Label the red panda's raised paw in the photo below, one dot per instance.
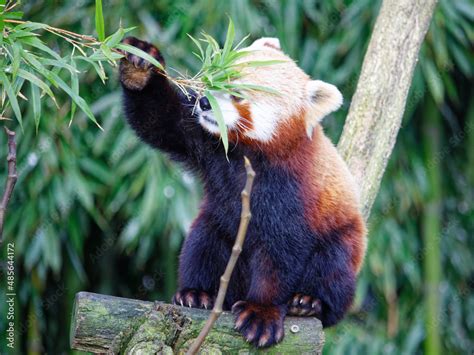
(304, 305)
(193, 298)
(135, 72)
(261, 325)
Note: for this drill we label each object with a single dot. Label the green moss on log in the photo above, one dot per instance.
(118, 325)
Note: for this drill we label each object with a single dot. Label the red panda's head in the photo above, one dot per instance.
(300, 102)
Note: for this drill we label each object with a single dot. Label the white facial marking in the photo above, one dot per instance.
(265, 122)
(297, 95)
(229, 113)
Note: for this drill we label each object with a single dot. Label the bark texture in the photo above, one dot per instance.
(106, 324)
(378, 104)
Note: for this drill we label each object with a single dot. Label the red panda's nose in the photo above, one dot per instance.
(204, 103)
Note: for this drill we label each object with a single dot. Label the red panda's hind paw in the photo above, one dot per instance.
(193, 298)
(304, 305)
(135, 72)
(261, 325)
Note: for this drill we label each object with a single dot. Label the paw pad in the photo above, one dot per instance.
(144, 46)
(135, 72)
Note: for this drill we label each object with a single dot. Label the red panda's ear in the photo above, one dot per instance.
(269, 42)
(324, 98)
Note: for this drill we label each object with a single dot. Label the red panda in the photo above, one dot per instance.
(307, 238)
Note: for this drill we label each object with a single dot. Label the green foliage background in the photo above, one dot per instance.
(100, 211)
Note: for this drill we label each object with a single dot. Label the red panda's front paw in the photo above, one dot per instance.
(193, 298)
(304, 305)
(261, 325)
(135, 72)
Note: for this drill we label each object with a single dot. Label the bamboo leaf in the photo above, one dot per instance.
(36, 104)
(229, 40)
(198, 44)
(76, 98)
(75, 89)
(33, 79)
(12, 97)
(219, 118)
(99, 69)
(37, 43)
(140, 53)
(115, 39)
(99, 20)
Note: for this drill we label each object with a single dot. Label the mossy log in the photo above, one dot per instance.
(107, 324)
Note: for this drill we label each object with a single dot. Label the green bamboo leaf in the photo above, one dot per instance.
(433, 79)
(38, 66)
(99, 20)
(33, 79)
(11, 97)
(16, 58)
(241, 42)
(115, 38)
(140, 53)
(99, 56)
(32, 26)
(107, 53)
(76, 98)
(60, 64)
(252, 87)
(36, 104)
(2, 19)
(19, 34)
(13, 15)
(229, 40)
(260, 63)
(75, 89)
(99, 69)
(37, 43)
(219, 118)
(198, 44)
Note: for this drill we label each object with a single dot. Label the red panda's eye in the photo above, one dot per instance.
(236, 98)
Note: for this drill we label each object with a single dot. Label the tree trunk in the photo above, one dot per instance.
(378, 104)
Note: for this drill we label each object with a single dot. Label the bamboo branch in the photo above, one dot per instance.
(11, 179)
(236, 250)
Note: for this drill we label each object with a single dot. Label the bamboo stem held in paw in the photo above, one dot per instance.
(11, 178)
(236, 250)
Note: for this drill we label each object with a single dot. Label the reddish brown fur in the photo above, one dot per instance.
(330, 204)
(265, 287)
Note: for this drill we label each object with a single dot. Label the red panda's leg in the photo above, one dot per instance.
(203, 259)
(154, 108)
(328, 284)
(260, 316)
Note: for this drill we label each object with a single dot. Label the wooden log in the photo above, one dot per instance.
(107, 324)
